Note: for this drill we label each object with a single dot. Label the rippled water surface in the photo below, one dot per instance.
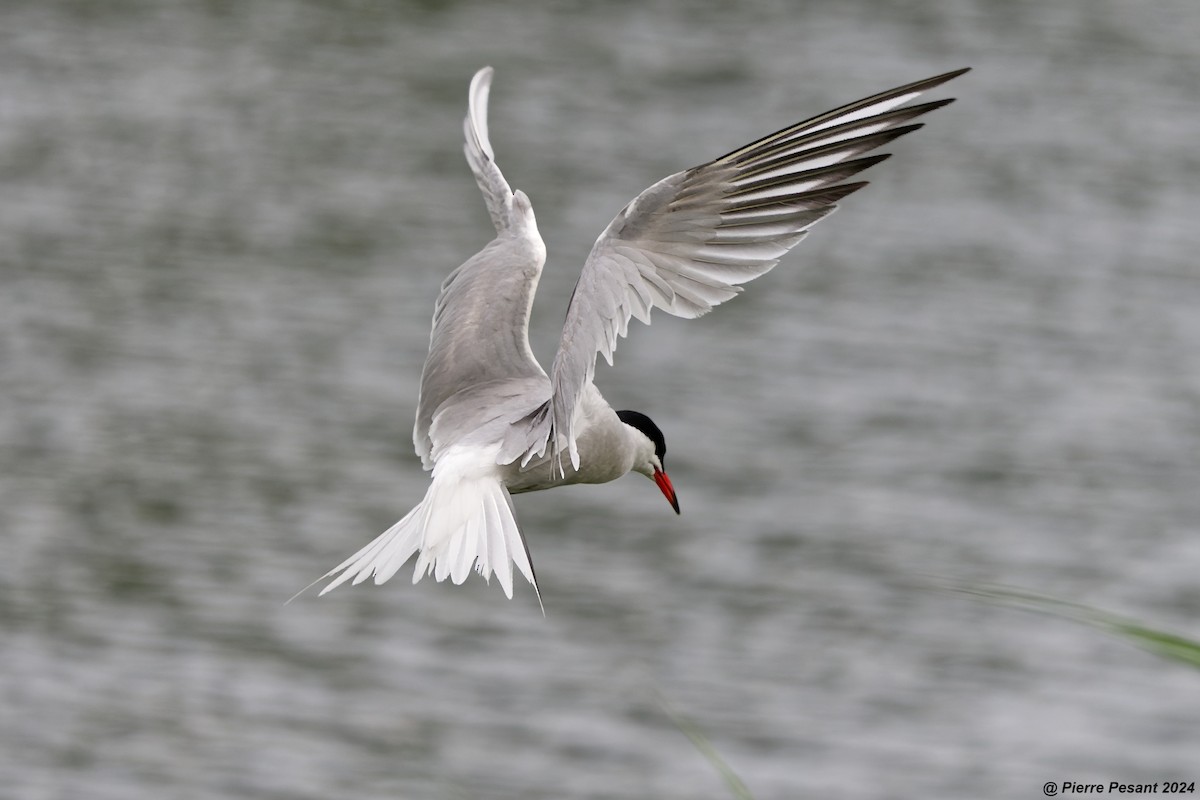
(222, 228)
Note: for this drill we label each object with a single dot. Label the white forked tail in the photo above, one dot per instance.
(466, 520)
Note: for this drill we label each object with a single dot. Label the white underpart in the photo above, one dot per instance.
(466, 520)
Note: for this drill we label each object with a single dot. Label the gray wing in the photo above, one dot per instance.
(687, 243)
(481, 317)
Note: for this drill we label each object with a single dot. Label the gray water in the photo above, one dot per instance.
(222, 228)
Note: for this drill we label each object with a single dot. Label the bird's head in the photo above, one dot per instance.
(651, 451)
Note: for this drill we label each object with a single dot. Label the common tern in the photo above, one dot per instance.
(492, 423)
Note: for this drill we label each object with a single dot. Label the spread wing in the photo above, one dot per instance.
(481, 317)
(687, 243)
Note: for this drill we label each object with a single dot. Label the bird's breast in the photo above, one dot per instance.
(605, 454)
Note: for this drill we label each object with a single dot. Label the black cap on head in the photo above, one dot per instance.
(636, 419)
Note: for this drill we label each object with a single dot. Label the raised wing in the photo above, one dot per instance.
(481, 318)
(687, 243)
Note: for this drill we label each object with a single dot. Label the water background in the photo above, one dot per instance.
(222, 228)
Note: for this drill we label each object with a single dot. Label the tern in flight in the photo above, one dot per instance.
(492, 423)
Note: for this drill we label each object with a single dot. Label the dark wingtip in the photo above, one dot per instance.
(937, 80)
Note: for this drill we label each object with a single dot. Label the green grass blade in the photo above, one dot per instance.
(1167, 645)
(1162, 643)
(689, 729)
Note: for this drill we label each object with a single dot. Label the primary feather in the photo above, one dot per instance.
(687, 243)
